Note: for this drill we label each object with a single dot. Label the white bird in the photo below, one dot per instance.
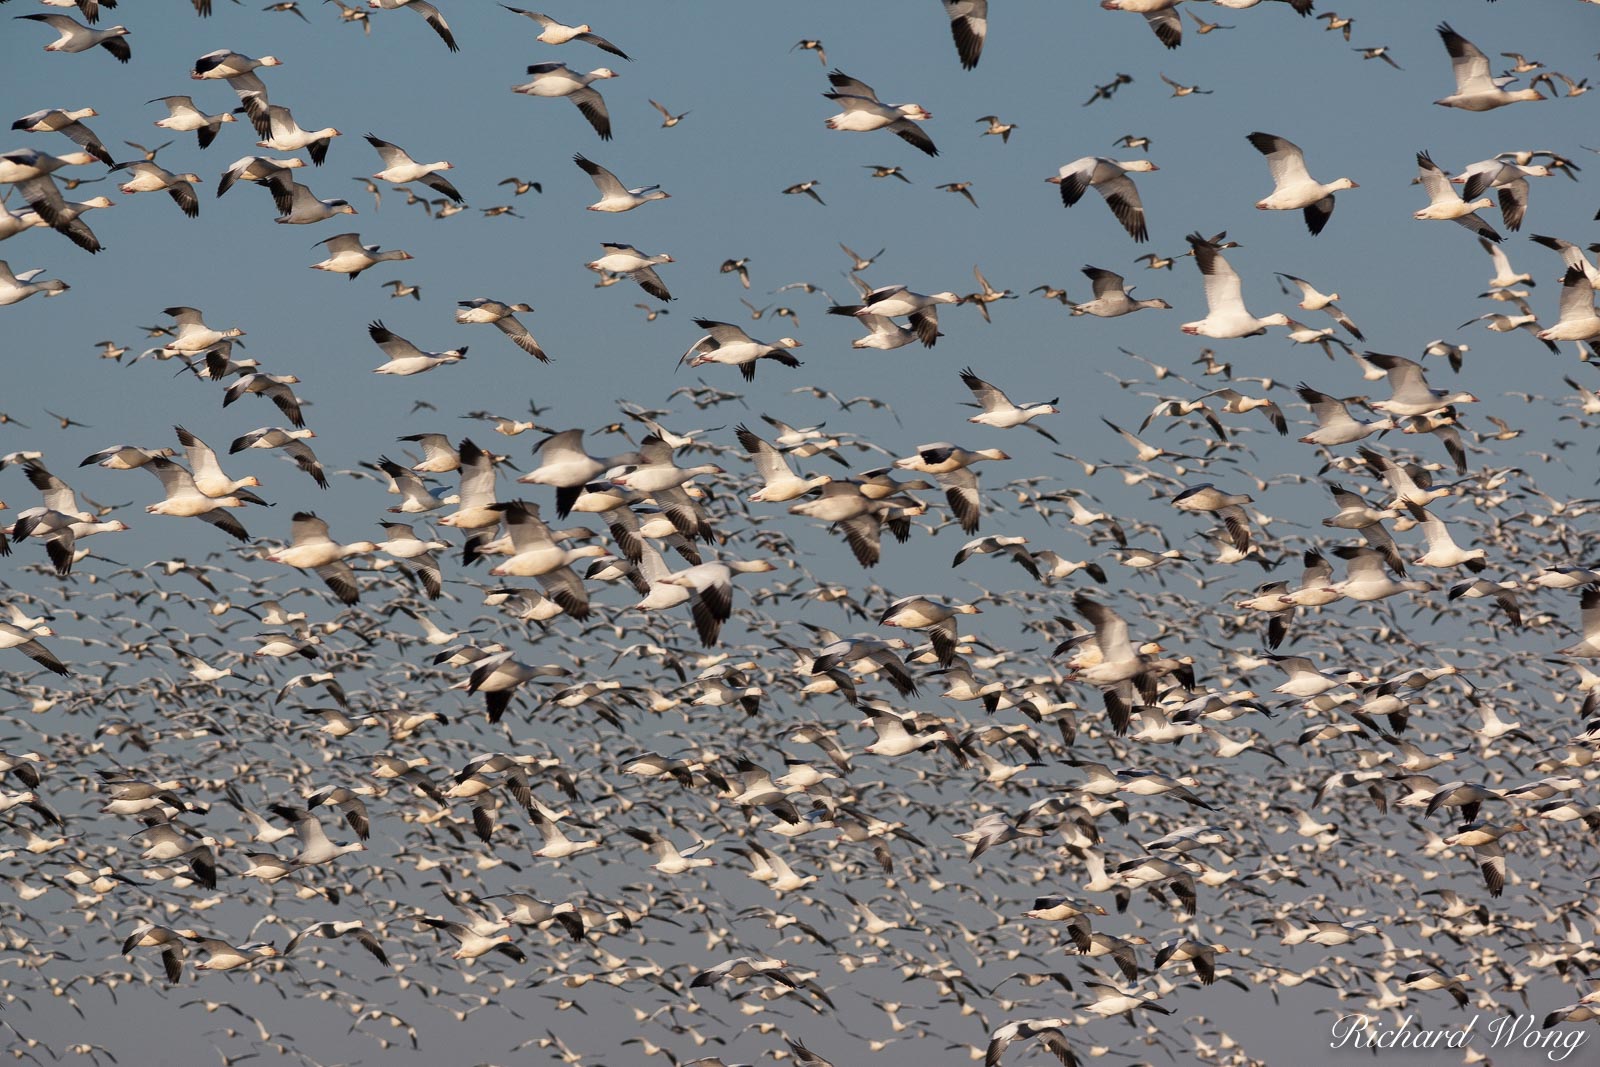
(405, 358)
(729, 344)
(481, 309)
(184, 117)
(1226, 315)
(629, 261)
(553, 32)
(1445, 203)
(614, 196)
(399, 169)
(74, 36)
(429, 13)
(1578, 320)
(1293, 187)
(1476, 89)
(347, 255)
(557, 79)
(1110, 179)
(998, 409)
(864, 112)
(15, 288)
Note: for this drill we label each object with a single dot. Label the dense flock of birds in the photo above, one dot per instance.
(316, 766)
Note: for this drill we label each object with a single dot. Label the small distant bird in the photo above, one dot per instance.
(1129, 140)
(1337, 22)
(288, 7)
(858, 262)
(520, 186)
(1155, 262)
(809, 45)
(809, 189)
(402, 289)
(880, 171)
(668, 119)
(960, 187)
(997, 128)
(1203, 27)
(730, 266)
(1186, 90)
(1104, 92)
(1380, 52)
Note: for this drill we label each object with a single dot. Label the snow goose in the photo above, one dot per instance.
(26, 642)
(15, 288)
(710, 588)
(207, 472)
(883, 334)
(55, 120)
(553, 32)
(565, 466)
(1504, 276)
(405, 358)
(293, 444)
(1442, 548)
(1335, 424)
(1578, 320)
(1111, 298)
(1228, 507)
(477, 509)
(47, 207)
(897, 301)
(535, 554)
(255, 169)
(184, 117)
(949, 465)
(936, 617)
(285, 135)
(74, 36)
(347, 255)
(429, 13)
(1162, 15)
(1313, 300)
(1571, 255)
(780, 482)
(221, 956)
(481, 309)
(1509, 180)
(399, 169)
(151, 177)
(557, 79)
(969, 28)
(1586, 648)
(1226, 315)
(417, 497)
(864, 112)
(1476, 90)
(298, 205)
(629, 261)
(312, 549)
(192, 336)
(614, 196)
(273, 387)
(1445, 203)
(185, 500)
(1293, 187)
(124, 457)
(729, 344)
(998, 409)
(1110, 179)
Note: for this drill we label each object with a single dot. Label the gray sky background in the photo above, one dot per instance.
(756, 126)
